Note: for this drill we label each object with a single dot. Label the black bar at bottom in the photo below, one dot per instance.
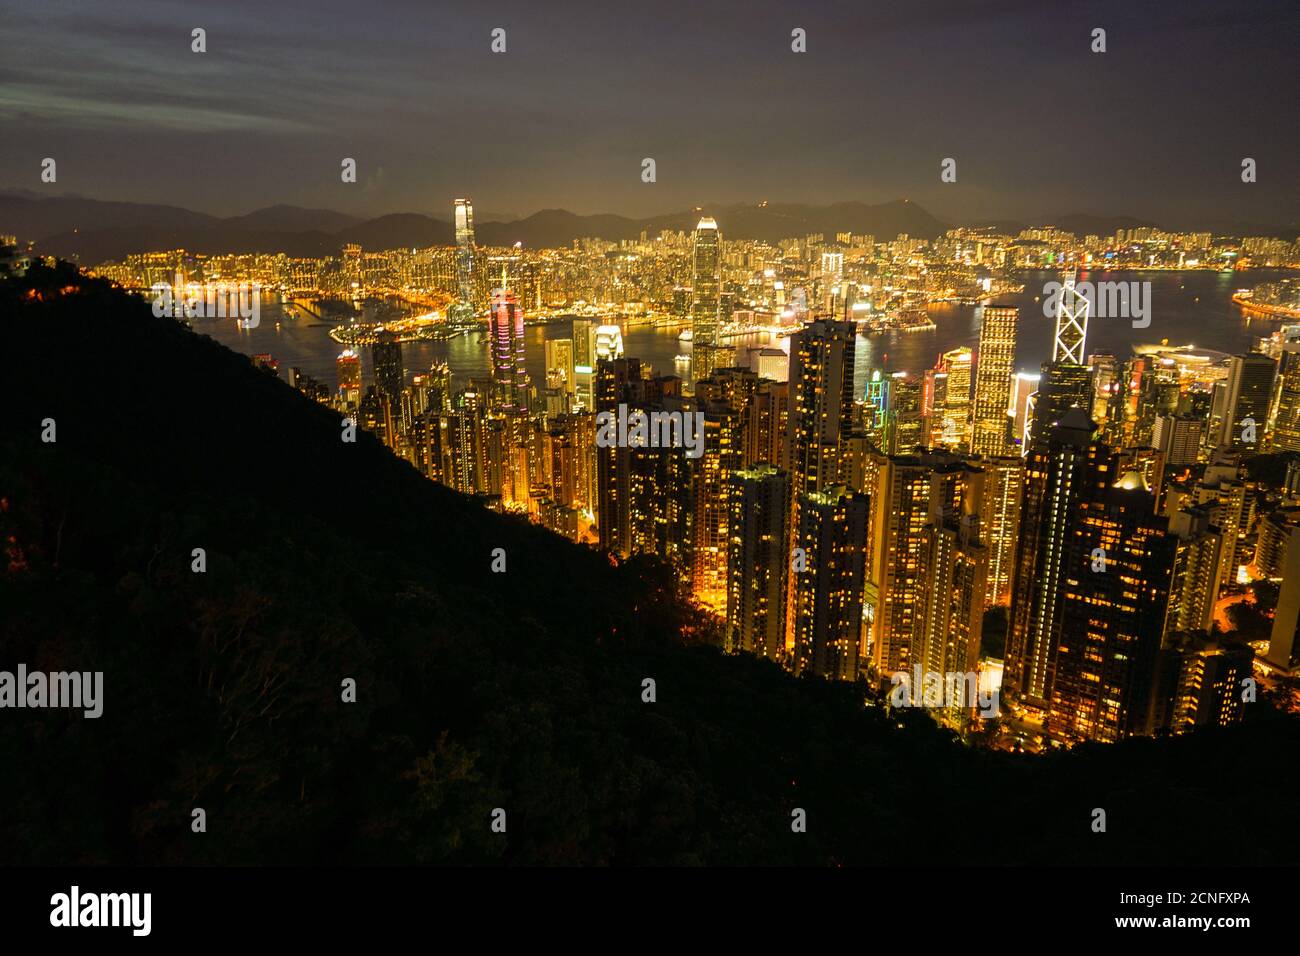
(213, 906)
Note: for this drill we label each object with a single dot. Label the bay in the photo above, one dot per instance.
(1187, 308)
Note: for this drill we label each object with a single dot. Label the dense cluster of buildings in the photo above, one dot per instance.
(887, 282)
(1104, 503)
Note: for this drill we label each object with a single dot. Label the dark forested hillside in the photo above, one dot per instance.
(475, 690)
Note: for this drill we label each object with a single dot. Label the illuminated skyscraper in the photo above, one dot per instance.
(993, 369)
(820, 420)
(352, 261)
(661, 509)
(732, 386)
(559, 365)
(1250, 390)
(517, 457)
(921, 501)
(821, 403)
(766, 420)
(462, 311)
(826, 628)
(616, 383)
(1178, 437)
(1158, 394)
(1284, 427)
(706, 293)
(934, 391)
(1107, 395)
(1117, 563)
(1066, 380)
(726, 399)
(757, 561)
(560, 461)
(584, 441)
(906, 417)
(1127, 403)
(1071, 323)
(348, 368)
(465, 465)
(1064, 385)
(644, 502)
(1024, 394)
(419, 393)
(439, 384)
(711, 488)
(834, 290)
(1194, 586)
(950, 613)
(681, 308)
(493, 455)
(955, 430)
(875, 418)
(506, 345)
(1063, 467)
(584, 363)
(1224, 492)
(1003, 490)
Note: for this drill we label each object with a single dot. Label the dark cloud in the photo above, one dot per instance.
(1155, 127)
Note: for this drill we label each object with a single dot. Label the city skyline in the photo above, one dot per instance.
(916, 511)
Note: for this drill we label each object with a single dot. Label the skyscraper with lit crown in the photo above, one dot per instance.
(462, 311)
(1066, 380)
(1072, 309)
(348, 368)
(706, 298)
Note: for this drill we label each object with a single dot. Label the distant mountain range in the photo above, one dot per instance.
(91, 230)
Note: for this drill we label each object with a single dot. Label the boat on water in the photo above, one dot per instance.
(687, 336)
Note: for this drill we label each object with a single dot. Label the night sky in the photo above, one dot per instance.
(1039, 125)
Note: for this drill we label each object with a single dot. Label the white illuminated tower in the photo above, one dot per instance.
(1067, 345)
(462, 311)
(1071, 323)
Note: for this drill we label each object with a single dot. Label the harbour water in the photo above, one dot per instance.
(1187, 308)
